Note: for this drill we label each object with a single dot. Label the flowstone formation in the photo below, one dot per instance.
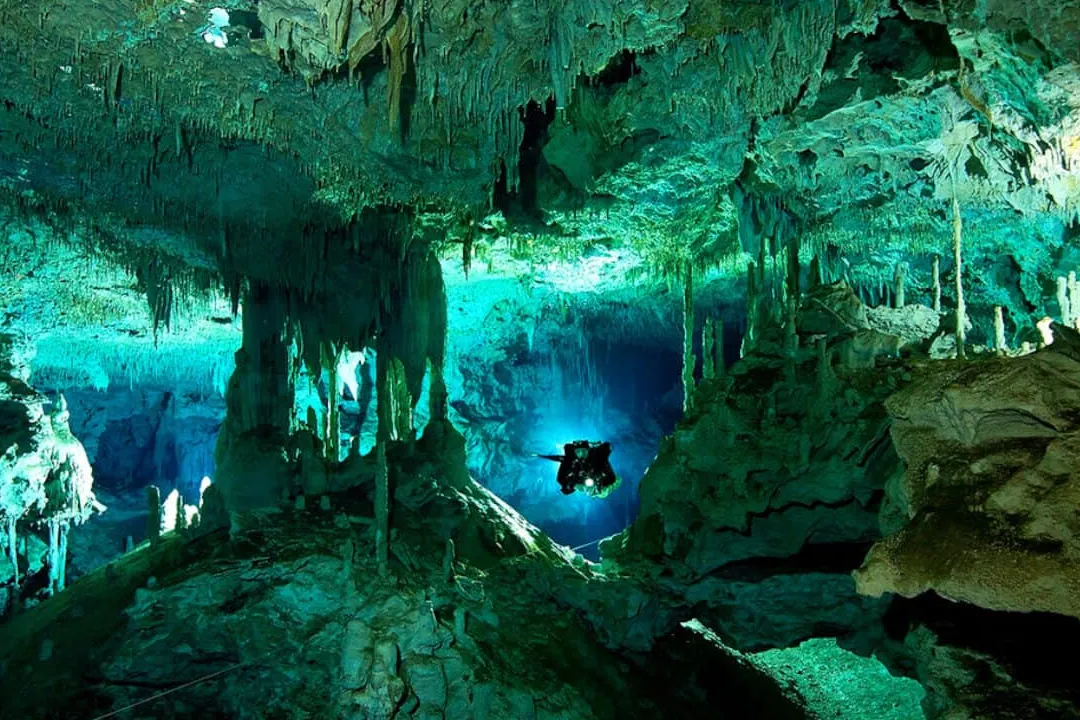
(45, 479)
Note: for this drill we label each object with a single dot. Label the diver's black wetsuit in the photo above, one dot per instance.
(585, 463)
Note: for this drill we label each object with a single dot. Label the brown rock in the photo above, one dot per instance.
(991, 450)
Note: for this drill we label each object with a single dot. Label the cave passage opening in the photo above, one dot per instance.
(622, 393)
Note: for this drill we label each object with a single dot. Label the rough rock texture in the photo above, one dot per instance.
(979, 664)
(45, 476)
(840, 684)
(990, 449)
(762, 466)
(769, 492)
(287, 618)
(911, 323)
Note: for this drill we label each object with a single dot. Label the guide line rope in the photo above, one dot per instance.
(196, 681)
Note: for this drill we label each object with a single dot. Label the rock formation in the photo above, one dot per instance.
(874, 203)
(45, 477)
(989, 488)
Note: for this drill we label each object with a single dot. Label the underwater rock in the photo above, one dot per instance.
(913, 324)
(775, 461)
(754, 472)
(991, 449)
(831, 309)
(271, 634)
(16, 353)
(964, 683)
(712, 665)
(984, 664)
(836, 683)
(147, 435)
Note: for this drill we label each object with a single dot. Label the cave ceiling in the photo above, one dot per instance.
(718, 122)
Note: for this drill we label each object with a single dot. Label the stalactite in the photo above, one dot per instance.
(397, 40)
(961, 335)
(936, 279)
(688, 337)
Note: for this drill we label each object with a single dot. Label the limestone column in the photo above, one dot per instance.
(382, 470)
(437, 396)
(258, 405)
(688, 337)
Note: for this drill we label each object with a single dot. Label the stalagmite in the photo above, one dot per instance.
(153, 518)
(382, 471)
(62, 553)
(1074, 300)
(1046, 331)
(999, 330)
(718, 348)
(57, 554)
(961, 335)
(708, 343)
(936, 272)
(898, 279)
(751, 310)
(816, 276)
(333, 423)
(181, 513)
(13, 546)
(461, 621)
(437, 395)
(1064, 301)
(688, 337)
(791, 296)
(449, 556)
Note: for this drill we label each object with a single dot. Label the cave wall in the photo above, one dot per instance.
(136, 437)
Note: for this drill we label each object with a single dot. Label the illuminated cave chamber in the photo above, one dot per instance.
(442, 238)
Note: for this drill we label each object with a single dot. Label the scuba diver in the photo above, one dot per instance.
(586, 465)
